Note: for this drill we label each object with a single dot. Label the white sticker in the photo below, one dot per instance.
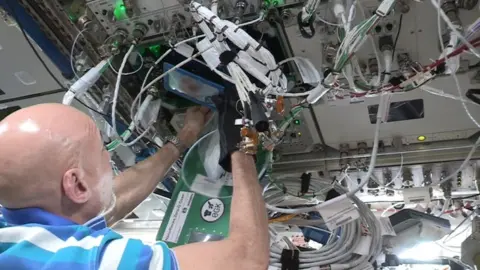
(212, 210)
(339, 213)
(386, 227)
(227, 179)
(206, 186)
(366, 266)
(211, 56)
(306, 72)
(417, 195)
(363, 247)
(185, 50)
(177, 218)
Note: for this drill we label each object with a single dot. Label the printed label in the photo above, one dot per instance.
(417, 195)
(177, 218)
(212, 210)
(206, 186)
(386, 227)
(339, 213)
(365, 242)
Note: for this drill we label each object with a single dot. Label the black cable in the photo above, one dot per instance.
(398, 35)
(472, 95)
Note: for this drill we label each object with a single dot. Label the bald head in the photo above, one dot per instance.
(52, 157)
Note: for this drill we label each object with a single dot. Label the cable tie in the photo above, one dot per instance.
(213, 39)
(197, 8)
(236, 29)
(223, 29)
(198, 22)
(290, 259)
(305, 184)
(212, 18)
(258, 47)
(227, 57)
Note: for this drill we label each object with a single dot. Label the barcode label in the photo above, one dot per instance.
(417, 195)
(339, 214)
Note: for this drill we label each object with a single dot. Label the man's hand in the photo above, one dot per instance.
(194, 122)
(152, 170)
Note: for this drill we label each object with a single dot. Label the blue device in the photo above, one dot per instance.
(191, 86)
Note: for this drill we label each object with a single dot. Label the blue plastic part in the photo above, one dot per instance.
(319, 235)
(33, 30)
(193, 78)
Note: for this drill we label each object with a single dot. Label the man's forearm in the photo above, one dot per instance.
(136, 183)
(248, 218)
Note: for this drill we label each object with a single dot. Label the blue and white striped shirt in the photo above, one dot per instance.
(32, 238)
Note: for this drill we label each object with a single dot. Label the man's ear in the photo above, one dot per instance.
(75, 186)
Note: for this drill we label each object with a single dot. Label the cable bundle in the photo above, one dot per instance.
(338, 252)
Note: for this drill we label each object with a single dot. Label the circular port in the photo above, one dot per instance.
(150, 22)
(389, 26)
(378, 29)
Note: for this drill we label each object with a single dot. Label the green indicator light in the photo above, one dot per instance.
(297, 122)
(155, 49)
(120, 12)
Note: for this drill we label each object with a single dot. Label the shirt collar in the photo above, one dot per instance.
(24, 216)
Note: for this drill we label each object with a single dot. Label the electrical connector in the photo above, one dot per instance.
(385, 7)
(85, 82)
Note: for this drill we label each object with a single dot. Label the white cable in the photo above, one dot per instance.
(338, 252)
(117, 87)
(374, 47)
(352, 192)
(391, 207)
(398, 173)
(138, 138)
(260, 18)
(454, 29)
(129, 73)
(446, 204)
(387, 59)
(474, 147)
(73, 50)
(441, 93)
